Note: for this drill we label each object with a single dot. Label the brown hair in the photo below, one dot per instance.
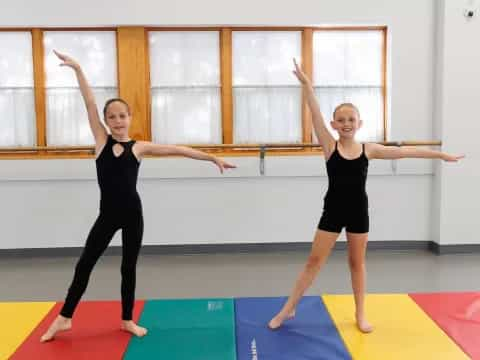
(107, 104)
(350, 105)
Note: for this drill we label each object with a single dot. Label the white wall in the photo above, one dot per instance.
(53, 203)
(458, 97)
(186, 202)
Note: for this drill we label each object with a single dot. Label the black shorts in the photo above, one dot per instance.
(353, 220)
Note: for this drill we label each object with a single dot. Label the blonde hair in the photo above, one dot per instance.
(350, 105)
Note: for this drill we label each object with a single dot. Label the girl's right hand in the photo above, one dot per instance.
(67, 60)
(300, 74)
(452, 158)
(222, 165)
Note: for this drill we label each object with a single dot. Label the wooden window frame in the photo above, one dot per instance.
(134, 86)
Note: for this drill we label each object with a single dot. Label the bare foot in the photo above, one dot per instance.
(278, 320)
(291, 314)
(133, 328)
(363, 325)
(60, 323)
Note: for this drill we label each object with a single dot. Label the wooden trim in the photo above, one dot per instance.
(267, 28)
(46, 156)
(85, 29)
(302, 28)
(348, 28)
(385, 84)
(226, 75)
(39, 86)
(85, 152)
(86, 155)
(233, 28)
(307, 65)
(207, 28)
(269, 146)
(301, 151)
(183, 28)
(13, 29)
(132, 72)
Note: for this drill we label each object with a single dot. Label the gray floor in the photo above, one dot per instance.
(237, 275)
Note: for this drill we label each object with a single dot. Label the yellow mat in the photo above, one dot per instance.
(19, 319)
(402, 330)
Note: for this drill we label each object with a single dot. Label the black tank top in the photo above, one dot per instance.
(346, 181)
(117, 177)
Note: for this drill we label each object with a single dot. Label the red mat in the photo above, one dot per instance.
(95, 334)
(458, 314)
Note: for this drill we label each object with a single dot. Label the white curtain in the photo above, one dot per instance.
(17, 123)
(17, 104)
(369, 102)
(185, 81)
(348, 68)
(267, 115)
(67, 122)
(267, 97)
(186, 116)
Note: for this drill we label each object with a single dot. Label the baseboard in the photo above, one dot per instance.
(243, 248)
(246, 248)
(454, 249)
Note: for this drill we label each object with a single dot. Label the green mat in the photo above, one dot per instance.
(199, 329)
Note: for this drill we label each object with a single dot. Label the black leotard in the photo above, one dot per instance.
(120, 208)
(346, 201)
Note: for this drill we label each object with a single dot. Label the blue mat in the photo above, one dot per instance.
(310, 335)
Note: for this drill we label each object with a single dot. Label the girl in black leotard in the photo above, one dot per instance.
(117, 161)
(346, 203)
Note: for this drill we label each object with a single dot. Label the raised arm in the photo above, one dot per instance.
(377, 151)
(323, 135)
(143, 148)
(98, 130)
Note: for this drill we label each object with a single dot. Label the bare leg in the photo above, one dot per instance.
(357, 246)
(321, 248)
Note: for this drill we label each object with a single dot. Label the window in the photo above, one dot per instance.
(17, 102)
(267, 97)
(185, 87)
(194, 86)
(67, 122)
(348, 67)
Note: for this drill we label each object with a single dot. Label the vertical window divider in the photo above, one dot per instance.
(307, 65)
(226, 84)
(132, 73)
(39, 80)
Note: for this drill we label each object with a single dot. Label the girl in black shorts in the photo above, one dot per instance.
(346, 202)
(117, 161)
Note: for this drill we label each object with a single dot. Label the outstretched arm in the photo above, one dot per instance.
(143, 148)
(377, 151)
(98, 130)
(323, 135)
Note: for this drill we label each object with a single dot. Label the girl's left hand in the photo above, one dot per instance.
(452, 158)
(67, 60)
(222, 165)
